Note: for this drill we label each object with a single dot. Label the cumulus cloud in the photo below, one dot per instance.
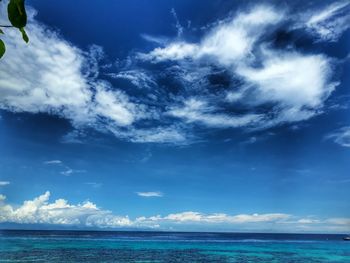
(150, 194)
(60, 212)
(87, 214)
(341, 136)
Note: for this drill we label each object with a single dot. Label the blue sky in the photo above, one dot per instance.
(177, 115)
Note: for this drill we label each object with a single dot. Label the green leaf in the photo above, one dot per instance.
(24, 35)
(1, 32)
(2, 48)
(17, 13)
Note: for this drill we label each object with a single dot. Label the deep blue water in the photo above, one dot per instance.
(98, 246)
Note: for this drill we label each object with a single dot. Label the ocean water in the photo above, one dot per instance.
(98, 246)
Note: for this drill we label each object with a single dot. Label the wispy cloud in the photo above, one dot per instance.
(329, 22)
(4, 183)
(195, 110)
(68, 171)
(53, 162)
(137, 77)
(94, 184)
(162, 134)
(178, 26)
(160, 40)
(341, 136)
(150, 194)
(75, 137)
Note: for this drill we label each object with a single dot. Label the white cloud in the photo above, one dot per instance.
(43, 76)
(67, 170)
(94, 184)
(330, 22)
(195, 110)
(74, 136)
(4, 183)
(168, 134)
(150, 194)
(308, 221)
(174, 51)
(53, 76)
(114, 105)
(291, 78)
(265, 87)
(178, 26)
(341, 136)
(87, 214)
(273, 222)
(53, 162)
(196, 217)
(339, 221)
(227, 43)
(224, 218)
(155, 39)
(60, 212)
(299, 84)
(163, 135)
(137, 77)
(232, 42)
(294, 85)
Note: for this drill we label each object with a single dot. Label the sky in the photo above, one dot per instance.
(201, 115)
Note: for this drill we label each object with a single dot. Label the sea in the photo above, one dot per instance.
(134, 246)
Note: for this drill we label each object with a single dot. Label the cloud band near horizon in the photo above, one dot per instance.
(61, 213)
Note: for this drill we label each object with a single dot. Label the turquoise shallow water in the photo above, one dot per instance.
(90, 246)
